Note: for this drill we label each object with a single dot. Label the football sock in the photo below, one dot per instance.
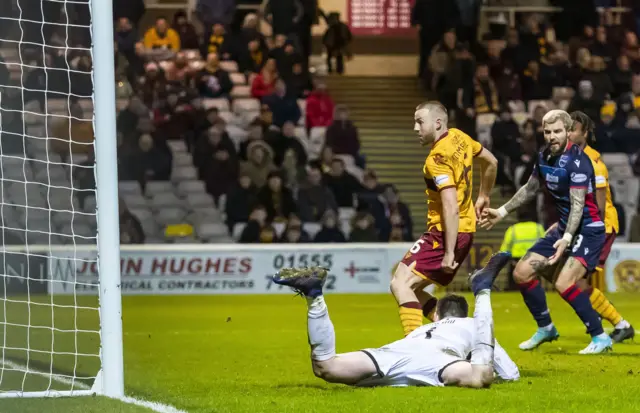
(604, 307)
(410, 316)
(622, 324)
(579, 300)
(536, 301)
(428, 303)
(322, 336)
(597, 278)
(484, 343)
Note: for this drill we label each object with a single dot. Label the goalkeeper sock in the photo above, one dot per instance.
(484, 343)
(410, 316)
(579, 300)
(536, 301)
(604, 307)
(322, 336)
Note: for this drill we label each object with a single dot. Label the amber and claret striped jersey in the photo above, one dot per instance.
(450, 164)
(602, 181)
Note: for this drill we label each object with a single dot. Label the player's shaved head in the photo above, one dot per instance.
(558, 115)
(431, 120)
(452, 305)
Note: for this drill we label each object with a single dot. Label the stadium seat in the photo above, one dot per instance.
(237, 230)
(229, 65)
(184, 240)
(484, 121)
(241, 91)
(184, 173)
(517, 106)
(182, 159)
(484, 137)
(618, 165)
(129, 187)
(348, 160)
(90, 204)
(78, 234)
(15, 168)
(141, 213)
(203, 215)
(238, 78)
(316, 141)
(279, 227)
(520, 117)
(192, 54)
(209, 230)
(150, 227)
(200, 200)
(165, 199)
(189, 187)
(177, 146)
(221, 104)
(237, 134)
(301, 133)
(228, 117)
(358, 173)
(135, 201)
(346, 214)
(62, 199)
(562, 93)
(311, 228)
(246, 105)
(157, 187)
(170, 216)
(37, 214)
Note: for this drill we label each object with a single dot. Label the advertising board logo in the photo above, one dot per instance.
(627, 275)
(364, 275)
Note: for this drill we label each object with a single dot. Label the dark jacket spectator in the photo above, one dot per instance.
(514, 54)
(285, 55)
(362, 228)
(343, 185)
(130, 228)
(214, 140)
(602, 47)
(283, 105)
(320, 107)
(482, 94)
(277, 199)
(212, 12)
(212, 81)
(283, 15)
(602, 86)
(342, 134)
(293, 233)
(220, 171)
(299, 82)
(285, 140)
(131, 9)
(508, 85)
(264, 84)
(621, 76)
(216, 40)
(315, 198)
(259, 229)
(189, 38)
(336, 41)
(148, 162)
(253, 57)
(126, 37)
(585, 101)
(536, 82)
(329, 231)
(241, 198)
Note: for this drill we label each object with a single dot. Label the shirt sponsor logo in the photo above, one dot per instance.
(552, 187)
(441, 179)
(600, 180)
(563, 161)
(552, 178)
(577, 178)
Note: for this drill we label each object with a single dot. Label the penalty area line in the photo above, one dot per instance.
(155, 406)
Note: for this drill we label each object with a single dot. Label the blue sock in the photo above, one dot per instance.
(536, 301)
(579, 300)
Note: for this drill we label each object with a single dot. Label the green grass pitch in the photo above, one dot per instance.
(250, 354)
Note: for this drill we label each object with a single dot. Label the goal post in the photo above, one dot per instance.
(59, 201)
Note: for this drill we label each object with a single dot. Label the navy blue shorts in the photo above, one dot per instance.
(586, 246)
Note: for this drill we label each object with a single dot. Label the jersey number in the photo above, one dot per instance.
(577, 243)
(467, 181)
(416, 247)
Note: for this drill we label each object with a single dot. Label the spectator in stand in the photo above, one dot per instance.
(285, 55)
(283, 15)
(600, 80)
(628, 102)
(293, 170)
(174, 117)
(536, 82)
(448, 63)
(286, 140)
(326, 159)
(606, 129)
(259, 229)
(299, 82)
(126, 37)
(363, 228)
(265, 83)
(254, 133)
(220, 170)
(213, 140)
(329, 231)
(293, 233)
(131, 231)
(161, 36)
(216, 12)
(189, 39)
(153, 84)
(631, 49)
(277, 198)
(343, 185)
(315, 198)
(259, 163)
(482, 95)
(240, 199)
(129, 117)
(73, 135)
(398, 232)
(508, 85)
(250, 32)
(283, 105)
(149, 162)
(602, 47)
(533, 40)
(320, 107)
(336, 40)
(133, 10)
(178, 70)
(137, 62)
(505, 133)
(212, 80)
(217, 41)
(342, 135)
(585, 101)
(254, 58)
(394, 206)
(621, 76)
(514, 54)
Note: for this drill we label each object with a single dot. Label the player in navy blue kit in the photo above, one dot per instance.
(570, 251)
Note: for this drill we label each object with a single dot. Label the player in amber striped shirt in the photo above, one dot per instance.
(451, 220)
(579, 134)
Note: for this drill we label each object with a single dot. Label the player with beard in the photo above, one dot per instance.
(567, 174)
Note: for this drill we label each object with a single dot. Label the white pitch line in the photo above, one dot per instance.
(156, 407)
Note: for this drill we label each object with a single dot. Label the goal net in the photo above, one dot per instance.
(51, 332)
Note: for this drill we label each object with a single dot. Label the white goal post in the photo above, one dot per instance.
(54, 345)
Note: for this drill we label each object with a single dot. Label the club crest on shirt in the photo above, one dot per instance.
(563, 161)
(439, 159)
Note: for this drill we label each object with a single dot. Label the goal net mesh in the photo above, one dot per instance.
(50, 326)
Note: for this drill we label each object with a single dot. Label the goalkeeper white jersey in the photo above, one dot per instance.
(452, 335)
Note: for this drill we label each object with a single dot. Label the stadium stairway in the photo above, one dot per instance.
(383, 108)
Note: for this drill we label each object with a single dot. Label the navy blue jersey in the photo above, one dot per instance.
(558, 174)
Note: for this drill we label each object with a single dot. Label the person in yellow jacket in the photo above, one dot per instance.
(580, 133)
(161, 36)
(521, 236)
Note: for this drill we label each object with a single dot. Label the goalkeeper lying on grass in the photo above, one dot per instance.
(435, 354)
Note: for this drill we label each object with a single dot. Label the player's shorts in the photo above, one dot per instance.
(398, 366)
(606, 248)
(428, 253)
(586, 246)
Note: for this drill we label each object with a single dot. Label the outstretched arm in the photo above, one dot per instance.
(524, 195)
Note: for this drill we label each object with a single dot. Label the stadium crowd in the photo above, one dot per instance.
(499, 88)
